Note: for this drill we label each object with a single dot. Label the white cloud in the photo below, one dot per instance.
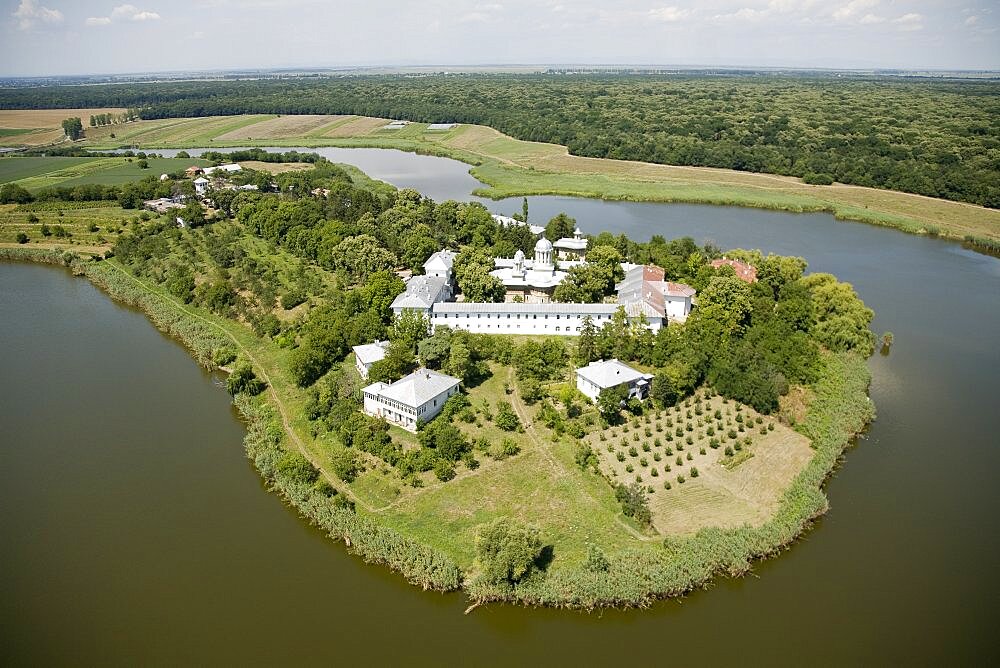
(853, 8)
(29, 12)
(743, 14)
(910, 22)
(871, 19)
(972, 20)
(668, 14)
(123, 13)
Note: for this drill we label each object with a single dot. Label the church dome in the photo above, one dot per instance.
(543, 246)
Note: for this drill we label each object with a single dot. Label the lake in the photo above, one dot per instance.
(135, 530)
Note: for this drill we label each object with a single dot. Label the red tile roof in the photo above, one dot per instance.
(745, 272)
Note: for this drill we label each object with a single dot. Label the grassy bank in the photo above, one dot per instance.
(511, 167)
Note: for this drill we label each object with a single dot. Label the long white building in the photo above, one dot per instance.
(535, 318)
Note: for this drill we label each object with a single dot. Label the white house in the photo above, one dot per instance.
(419, 396)
(368, 354)
(200, 185)
(421, 293)
(644, 284)
(440, 264)
(605, 374)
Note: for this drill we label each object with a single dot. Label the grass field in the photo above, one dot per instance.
(35, 173)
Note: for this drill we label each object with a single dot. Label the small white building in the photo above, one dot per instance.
(507, 221)
(365, 356)
(441, 126)
(419, 396)
(229, 169)
(605, 374)
(440, 264)
(421, 293)
(572, 248)
(644, 285)
(200, 185)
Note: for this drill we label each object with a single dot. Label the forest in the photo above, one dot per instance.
(938, 138)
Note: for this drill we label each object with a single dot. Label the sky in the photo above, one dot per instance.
(52, 37)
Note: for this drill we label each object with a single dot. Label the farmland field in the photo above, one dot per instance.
(35, 173)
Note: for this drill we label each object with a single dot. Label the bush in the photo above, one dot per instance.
(507, 448)
(629, 468)
(345, 464)
(244, 380)
(633, 452)
(680, 479)
(297, 468)
(814, 179)
(506, 419)
(507, 551)
(292, 298)
(634, 503)
(585, 457)
(666, 484)
(596, 561)
(444, 469)
(694, 471)
(22, 238)
(643, 462)
(620, 456)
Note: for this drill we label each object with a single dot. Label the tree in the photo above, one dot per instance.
(459, 362)
(22, 238)
(243, 380)
(609, 402)
(73, 128)
(12, 193)
(586, 344)
(345, 464)
(410, 328)
(506, 419)
(478, 285)
(507, 551)
(634, 503)
(560, 227)
(663, 392)
(726, 302)
(361, 256)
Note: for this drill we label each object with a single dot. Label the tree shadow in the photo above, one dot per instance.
(545, 557)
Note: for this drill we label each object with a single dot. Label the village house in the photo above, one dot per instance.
(417, 397)
(365, 356)
(744, 272)
(440, 264)
(602, 375)
(644, 284)
(572, 248)
(201, 185)
(164, 204)
(228, 169)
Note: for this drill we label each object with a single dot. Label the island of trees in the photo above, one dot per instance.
(521, 489)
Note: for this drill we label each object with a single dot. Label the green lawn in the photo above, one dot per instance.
(16, 168)
(35, 173)
(14, 132)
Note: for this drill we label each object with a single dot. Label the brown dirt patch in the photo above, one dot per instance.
(283, 127)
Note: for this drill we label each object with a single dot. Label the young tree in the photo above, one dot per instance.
(507, 551)
(560, 227)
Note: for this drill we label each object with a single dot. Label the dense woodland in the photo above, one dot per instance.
(936, 138)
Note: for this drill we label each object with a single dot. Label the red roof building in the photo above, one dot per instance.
(744, 272)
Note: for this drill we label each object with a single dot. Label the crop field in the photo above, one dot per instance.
(38, 127)
(35, 173)
(80, 226)
(283, 127)
(706, 463)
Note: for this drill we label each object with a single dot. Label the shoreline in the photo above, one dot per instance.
(841, 411)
